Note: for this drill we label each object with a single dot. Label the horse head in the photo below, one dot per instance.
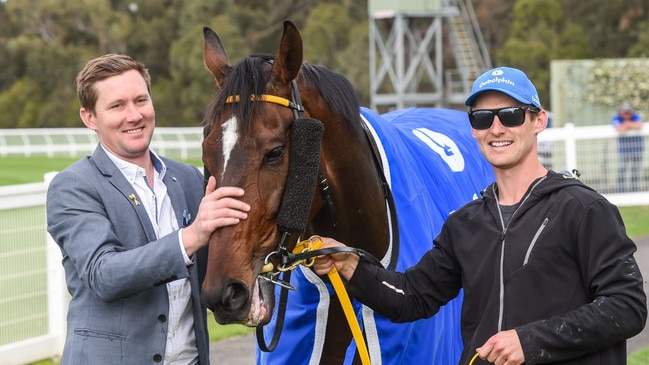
(247, 143)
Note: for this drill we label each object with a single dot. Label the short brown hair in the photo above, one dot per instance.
(101, 68)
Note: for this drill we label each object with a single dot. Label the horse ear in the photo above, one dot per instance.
(214, 56)
(288, 58)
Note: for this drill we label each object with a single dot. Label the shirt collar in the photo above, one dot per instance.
(132, 171)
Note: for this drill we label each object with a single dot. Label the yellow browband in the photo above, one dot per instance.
(267, 98)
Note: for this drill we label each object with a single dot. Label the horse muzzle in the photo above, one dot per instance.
(236, 303)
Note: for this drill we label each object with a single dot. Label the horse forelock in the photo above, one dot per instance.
(248, 77)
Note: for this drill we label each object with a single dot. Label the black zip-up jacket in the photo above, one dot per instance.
(562, 273)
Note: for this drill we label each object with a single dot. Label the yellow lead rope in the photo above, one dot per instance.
(315, 243)
(350, 314)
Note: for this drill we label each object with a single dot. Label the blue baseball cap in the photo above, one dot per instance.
(507, 80)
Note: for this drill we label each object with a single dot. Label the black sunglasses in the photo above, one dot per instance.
(511, 116)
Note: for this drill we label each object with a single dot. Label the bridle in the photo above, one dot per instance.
(288, 260)
(270, 272)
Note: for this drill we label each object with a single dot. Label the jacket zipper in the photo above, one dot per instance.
(536, 237)
(501, 305)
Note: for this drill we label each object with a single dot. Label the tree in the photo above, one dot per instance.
(325, 34)
(18, 104)
(641, 47)
(189, 74)
(613, 27)
(540, 33)
(187, 71)
(353, 61)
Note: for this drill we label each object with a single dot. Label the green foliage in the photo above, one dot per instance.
(326, 33)
(613, 27)
(43, 44)
(13, 103)
(537, 19)
(572, 43)
(540, 33)
(354, 59)
(612, 82)
(641, 48)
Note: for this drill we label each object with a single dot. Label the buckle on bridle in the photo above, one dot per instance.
(270, 272)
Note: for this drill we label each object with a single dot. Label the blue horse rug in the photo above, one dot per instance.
(433, 166)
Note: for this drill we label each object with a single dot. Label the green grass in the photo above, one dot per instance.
(22, 170)
(218, 332)
(635, 219)
(640, 357)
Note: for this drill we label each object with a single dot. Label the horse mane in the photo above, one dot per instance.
(251, 74)
(335, 89)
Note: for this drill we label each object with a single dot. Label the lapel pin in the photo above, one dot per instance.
(187, 218)
(134, 199)
(173, 178)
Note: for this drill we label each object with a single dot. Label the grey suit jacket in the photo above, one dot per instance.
(115, 268)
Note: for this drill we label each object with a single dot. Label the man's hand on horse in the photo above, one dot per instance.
(219, 208)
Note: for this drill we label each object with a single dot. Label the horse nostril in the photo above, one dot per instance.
(235, 296)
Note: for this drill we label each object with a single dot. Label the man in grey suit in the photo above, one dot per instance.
(133, 228)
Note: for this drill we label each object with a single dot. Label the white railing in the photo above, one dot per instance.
(182, 143)
(592, 150)
(33, 296)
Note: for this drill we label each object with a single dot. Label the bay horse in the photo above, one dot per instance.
(357, 197)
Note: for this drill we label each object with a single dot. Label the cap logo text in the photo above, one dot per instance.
(497, 80)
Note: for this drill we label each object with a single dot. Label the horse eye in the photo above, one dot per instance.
(274, 155)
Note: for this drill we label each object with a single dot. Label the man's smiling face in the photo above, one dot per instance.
(507, 147)
(124, 117)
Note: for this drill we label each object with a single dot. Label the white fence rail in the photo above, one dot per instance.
(182, 143)
(593, 150)
(33, 297)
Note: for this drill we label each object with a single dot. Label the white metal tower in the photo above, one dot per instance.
(423, 52)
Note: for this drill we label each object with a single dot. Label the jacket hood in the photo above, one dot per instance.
(542, 186)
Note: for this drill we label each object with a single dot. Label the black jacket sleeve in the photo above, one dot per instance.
(403, 297)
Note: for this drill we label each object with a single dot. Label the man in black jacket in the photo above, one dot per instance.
(547, 268)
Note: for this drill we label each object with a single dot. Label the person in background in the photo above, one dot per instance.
(548, 271)
(630, 147)
(133, 228)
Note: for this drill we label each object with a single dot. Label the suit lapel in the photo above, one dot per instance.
(108, 169)
(177, 196)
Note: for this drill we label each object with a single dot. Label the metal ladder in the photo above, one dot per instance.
(470, 52)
